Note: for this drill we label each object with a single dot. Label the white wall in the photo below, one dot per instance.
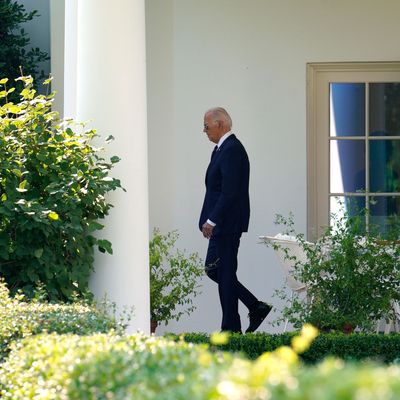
(249, 56)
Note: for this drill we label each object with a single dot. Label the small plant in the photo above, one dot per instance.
(53, 186)
(351, 275)
(173, 278)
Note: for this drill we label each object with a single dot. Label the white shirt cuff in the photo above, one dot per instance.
(211, 223)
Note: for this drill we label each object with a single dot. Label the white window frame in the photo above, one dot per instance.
(319, 76)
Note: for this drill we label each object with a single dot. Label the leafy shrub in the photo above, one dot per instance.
(14, 45)
(173, 278)
(53, 184)
(351, 277)
(356, 347)
(19, 319)
(107, 366)
(138, 367)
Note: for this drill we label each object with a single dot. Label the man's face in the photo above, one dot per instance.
(212, 128)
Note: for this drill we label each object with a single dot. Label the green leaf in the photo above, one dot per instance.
(104, 246)
(94, 226)
(33, 276)
(115, 159)
(47, 81)
(17, 172)
(22, 186)
(3, 197)
(38, 253)
(3, 81)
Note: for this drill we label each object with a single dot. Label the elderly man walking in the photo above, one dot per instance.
(224, 216)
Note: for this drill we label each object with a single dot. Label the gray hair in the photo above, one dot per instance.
(220, 114)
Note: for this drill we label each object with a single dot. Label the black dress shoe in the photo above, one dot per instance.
(258, 315)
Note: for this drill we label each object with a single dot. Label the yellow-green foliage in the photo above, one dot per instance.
(20, 319)
(53, 193)
(104, 366)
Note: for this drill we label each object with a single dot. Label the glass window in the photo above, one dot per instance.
(384, 114)
(353, 143)
(347, 109)
(347, 166)
(353, 169)
(384, 166)
(384, 212)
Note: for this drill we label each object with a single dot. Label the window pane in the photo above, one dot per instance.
(384, 109)
(384, 165)
(351, 206)
(384, 212)
(347, 166)
(347, 109)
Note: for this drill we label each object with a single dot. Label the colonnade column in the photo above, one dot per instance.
(110, 90)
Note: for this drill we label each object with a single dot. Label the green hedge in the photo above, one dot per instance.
(383, 348)
(19, 319)
(138, 367)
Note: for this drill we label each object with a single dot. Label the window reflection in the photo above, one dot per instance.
(384, 213)
(347, 109)
(384, 105)
(347, 166)
(352, 206)
(384, 166)
(348, 161)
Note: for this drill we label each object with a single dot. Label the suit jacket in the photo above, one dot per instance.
(226, 201)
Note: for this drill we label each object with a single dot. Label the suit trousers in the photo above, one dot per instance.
(221, 266)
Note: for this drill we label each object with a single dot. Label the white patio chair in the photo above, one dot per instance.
(293, 248)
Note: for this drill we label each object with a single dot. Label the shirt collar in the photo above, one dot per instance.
(223, 138)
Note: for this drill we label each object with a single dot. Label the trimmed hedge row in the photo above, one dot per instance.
(354, 347)
(19, 319)
(141, 367)
(89, 365)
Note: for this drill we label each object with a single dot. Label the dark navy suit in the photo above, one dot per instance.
(227, 204)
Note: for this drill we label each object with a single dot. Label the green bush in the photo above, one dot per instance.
(20, 319)
(53, 186)
(138, 367)
(382, 348)
(108, 367)
(14, 45)
(173, 278)
(352, 276)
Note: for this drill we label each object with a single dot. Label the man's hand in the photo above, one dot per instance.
(207, 230)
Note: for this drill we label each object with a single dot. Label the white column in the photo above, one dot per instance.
(111, 92)
(63, 43)
(57, 50)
